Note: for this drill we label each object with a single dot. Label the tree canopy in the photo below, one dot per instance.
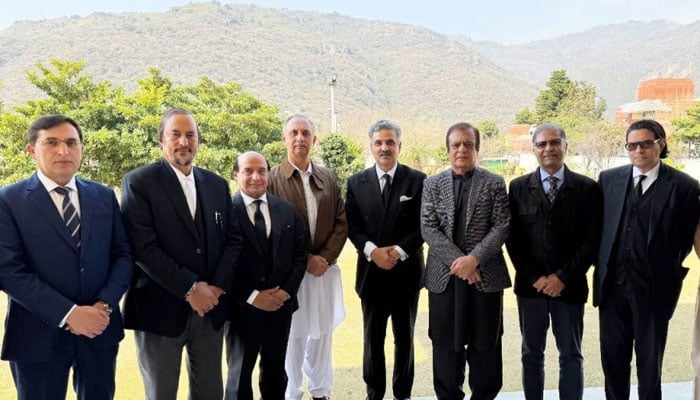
(120, 129)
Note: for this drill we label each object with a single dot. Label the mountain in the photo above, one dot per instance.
(284, 57)
(614, 58)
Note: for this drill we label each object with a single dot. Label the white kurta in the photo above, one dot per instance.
(321, 307)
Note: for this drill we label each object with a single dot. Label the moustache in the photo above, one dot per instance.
(384, 153)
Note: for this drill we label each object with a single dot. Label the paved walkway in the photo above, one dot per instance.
(671, 391)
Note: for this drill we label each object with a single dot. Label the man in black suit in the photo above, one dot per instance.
(554, 228)
(649, 217)
(267, 278)
(383, 211)
(64, 264)
(186, 243)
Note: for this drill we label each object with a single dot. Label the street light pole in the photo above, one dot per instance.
(334, 121)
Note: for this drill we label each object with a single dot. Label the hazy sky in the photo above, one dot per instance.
(507, 21)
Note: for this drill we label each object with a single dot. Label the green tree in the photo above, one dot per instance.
(688, 130)
(548, 101)
(120, 130)
(488, 128)
(525, 117)
(342, 155)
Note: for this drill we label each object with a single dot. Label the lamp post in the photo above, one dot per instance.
(334, 121)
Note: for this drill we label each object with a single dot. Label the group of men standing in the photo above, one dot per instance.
(258, 271)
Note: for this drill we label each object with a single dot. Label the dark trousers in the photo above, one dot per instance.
(629, 320)
(260, 333)
(93, 376)
(482, 350)
(567, 327)
(160, 358)
(375, 314)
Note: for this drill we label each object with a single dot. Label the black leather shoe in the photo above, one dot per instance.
(321, 398)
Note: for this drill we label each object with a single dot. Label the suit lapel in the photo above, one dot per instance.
(662, 192)
(173, 190)
(86, 196)
(244, 221)
(535, 187)
(477, 182)
(448, 198)
(276, 228)
(37, 194)
(616, 192)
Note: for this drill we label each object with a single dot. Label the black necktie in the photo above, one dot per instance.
(553, 188)
(638, 190)
(260, 228)
(70, 214)
(386, 188)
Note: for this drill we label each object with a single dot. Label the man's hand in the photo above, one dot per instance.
(385, 257)
(216, 290)
(465, 268)
(269, 299)
(540, 283)
(88, 321)
(317, 265)
(554, 286)
(202, 299)
(550, 285)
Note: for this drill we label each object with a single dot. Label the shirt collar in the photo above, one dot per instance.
(381, 173)
(559, 175)
(181, 176)
(247, 200)
(51, 185)
(651, 174)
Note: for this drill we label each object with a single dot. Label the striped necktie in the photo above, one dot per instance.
(70, 214)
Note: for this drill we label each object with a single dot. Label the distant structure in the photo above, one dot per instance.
(661, 99)
(520, 138)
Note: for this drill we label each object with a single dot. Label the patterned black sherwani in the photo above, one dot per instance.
(462, 314)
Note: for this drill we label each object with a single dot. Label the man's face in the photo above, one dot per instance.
(385, 148)
(644, 159)
(180, 142)
(549, 149)
(57, 152)
(462, 150)
(252, 175)
(299, 138)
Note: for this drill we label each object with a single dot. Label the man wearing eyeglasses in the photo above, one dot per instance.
(649, 217)
(65, 264)
(555, 222)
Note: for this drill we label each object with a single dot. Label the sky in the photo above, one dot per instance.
(504, 21)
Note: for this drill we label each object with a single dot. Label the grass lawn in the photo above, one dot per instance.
(347, 349)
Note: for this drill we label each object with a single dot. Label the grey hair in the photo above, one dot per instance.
(385, 124)
(302, 116)
(549, 127)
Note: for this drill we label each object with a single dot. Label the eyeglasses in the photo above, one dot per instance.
(645, 144)
(543, 144)
(55, 142)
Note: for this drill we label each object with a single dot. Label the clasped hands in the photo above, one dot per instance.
(550, 285)
(385, 257)
(271, 299)
(465, 268)
(89, 321)
(204, 297)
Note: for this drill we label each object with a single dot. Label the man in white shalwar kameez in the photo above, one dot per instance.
(315, 193)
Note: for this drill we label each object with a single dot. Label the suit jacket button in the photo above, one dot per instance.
(82, 270)
(263, 279)
(199, 251)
